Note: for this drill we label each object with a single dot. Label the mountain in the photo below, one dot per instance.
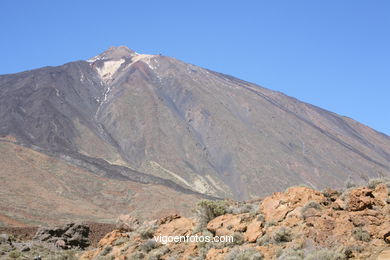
(157, 121)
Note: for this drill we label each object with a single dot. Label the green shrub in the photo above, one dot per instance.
(120, 241)
(213, 208)
(325, 254)
(14, 254)
(106, 251)
(149, 245)
(205, 244)
(290, 254)
(282, 235)
(137, 256)
(158, 253)
(207, 210)
(372, 183)
(270, 224)
(240, 208)
(361, 235)
(264, 240)
(238, 238)
(314, 254)
(244, 254)
(146, 231)
(65, 255)
(349, 183)
(349, 250)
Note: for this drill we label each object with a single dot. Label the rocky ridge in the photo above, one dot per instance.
(300, 223)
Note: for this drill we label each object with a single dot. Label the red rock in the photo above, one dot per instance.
(228, 224)
(360, 199)
(253, 231)
(381, 193)
(175, 226)
(277, 206)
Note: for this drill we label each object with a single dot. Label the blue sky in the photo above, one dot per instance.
(331, 53)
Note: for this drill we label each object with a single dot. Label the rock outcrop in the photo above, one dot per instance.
(300, 223)
(73, 235)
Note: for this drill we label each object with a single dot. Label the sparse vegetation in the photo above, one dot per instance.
(282, 235)
(66, 255)
(349, 250)
(290, 238)
(205, 244)
(325, 254)
(361, 235)
(146, 231)
(349, 183)
(244, 254)
(242, 207)
(290, 254)
(270, 224)
(314, 254)
(238, 238)
(137, 256)
(207, 210)
(106, 250)
(14, 254)
(264, 240)
(126, 247)
(372, 183)
(120, 241)
(156, 254)
(149, 245)
(345, 194)
(309, 205)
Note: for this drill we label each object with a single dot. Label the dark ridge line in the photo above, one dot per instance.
(103, 168)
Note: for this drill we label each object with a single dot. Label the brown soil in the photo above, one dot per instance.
(21, 233)
(10, 222)
(98, 231)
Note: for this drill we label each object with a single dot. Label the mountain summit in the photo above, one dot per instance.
(114, 53)
(155, 119)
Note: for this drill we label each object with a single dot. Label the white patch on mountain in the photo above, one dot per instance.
(109, 68)
(146, 58)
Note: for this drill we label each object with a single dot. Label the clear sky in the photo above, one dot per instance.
(331, 53)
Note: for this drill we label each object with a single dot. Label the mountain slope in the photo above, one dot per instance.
(39, 189)
(201, 130)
